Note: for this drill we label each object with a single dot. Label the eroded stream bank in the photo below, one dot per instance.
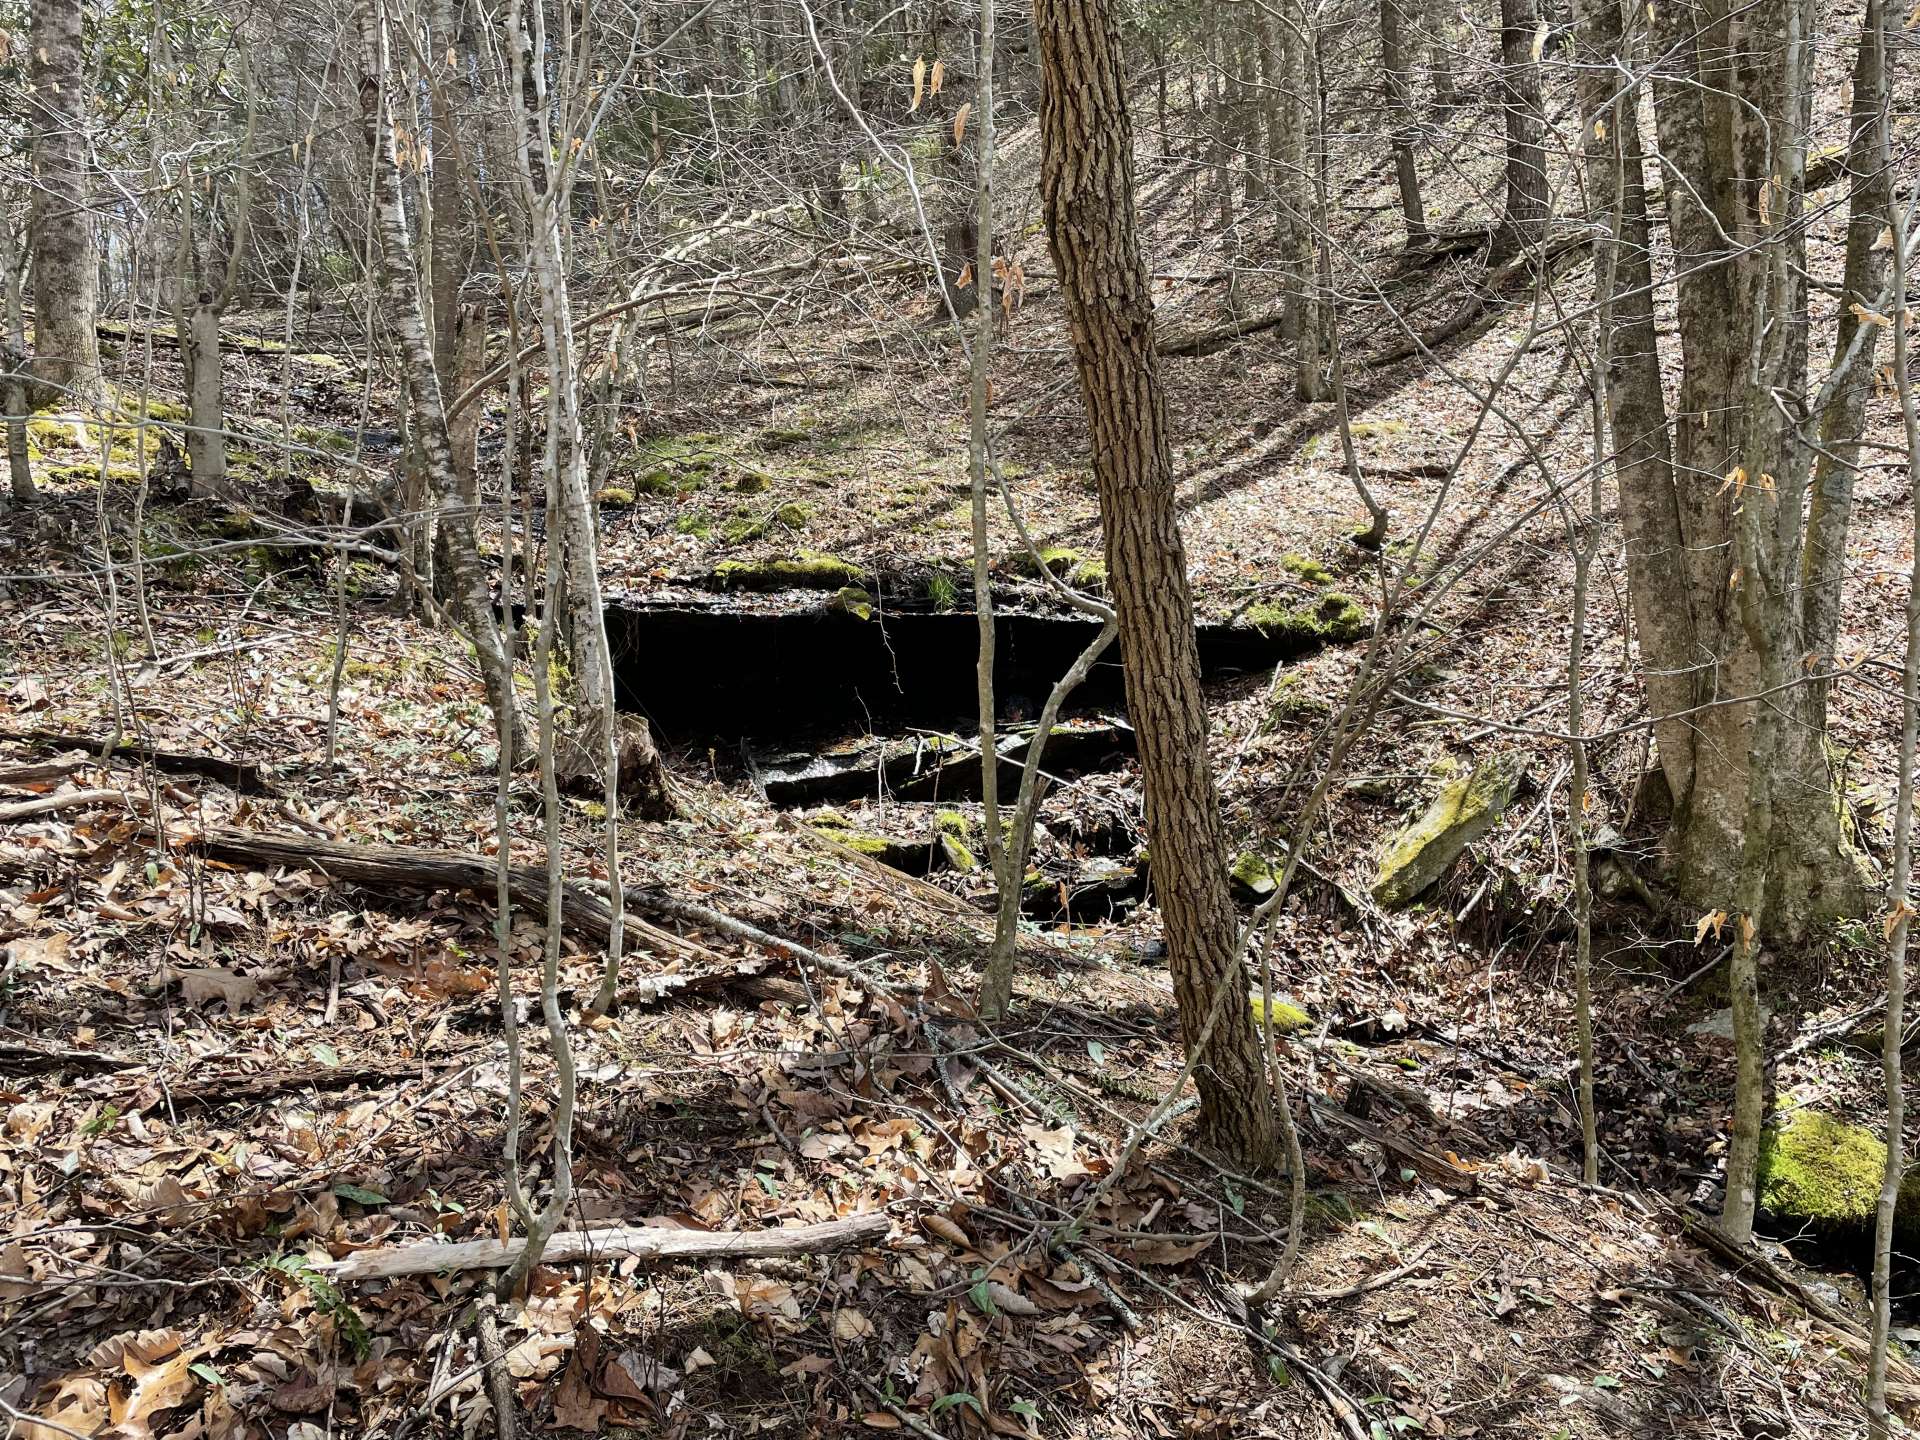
(714, 671)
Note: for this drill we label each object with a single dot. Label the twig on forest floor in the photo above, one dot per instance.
(493, 1359)
(633, 1241)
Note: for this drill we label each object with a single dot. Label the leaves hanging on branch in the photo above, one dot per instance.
(960, 122)
(919, 82)
(939, 76)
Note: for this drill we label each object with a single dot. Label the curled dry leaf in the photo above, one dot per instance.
(1010, 1300)
(960, 122)
(851, 1325)
(157, 1385)
(79, 1406)
(947, 1230)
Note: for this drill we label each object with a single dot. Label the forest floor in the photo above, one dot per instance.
(219, 1078)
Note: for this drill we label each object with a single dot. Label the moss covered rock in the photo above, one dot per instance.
(1821, 1174)
(1464, 810)
(1286, 1017)
(807, 570)
(908, 855)
(1253, 877)
(953, 831)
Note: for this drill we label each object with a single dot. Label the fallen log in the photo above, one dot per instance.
(630, 1241)
(53, 804)
(1475, 307)
(583, 913)
(234, 774)
(19, 777)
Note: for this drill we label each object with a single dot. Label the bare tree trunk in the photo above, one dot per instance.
(472, 600)
(14, 384)
(1086, 186)
(1436, 16)
(66, 260)
(1525, 216)
(996, 985)
(1900, 906)
(1394, 66)
(1733, 124)
(1305, 310)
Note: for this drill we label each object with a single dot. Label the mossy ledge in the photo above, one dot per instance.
(807, 570)
(1335, 619)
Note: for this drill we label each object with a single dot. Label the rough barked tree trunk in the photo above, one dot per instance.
(66, 261)
(1399, 90)
(1086, 185)
(1731, 105)
(1525, 215)
(467, 585)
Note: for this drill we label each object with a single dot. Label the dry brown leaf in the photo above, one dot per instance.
(939, 77)
(1056, 1151)
(851, 1325)
(157, 1385)
(919, 82)
(538, 1356)
(216, 982)
(960, 122)
(16, 1275)
(575, 1406)
(40, 952)
(1169, 1252)
(1009, 1300)
(79, 1406)
(947, 1230)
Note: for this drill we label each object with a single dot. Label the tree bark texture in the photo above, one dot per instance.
(1086, 185)
(1731, 105)
(1399, 89)
(1525, 216)
(66, 260)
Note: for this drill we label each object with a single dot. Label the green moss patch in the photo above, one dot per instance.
(1306, 568)
(1286, 1017)
(1253, 877)
(1335, 619)
(1822, 1174)
(808, 570)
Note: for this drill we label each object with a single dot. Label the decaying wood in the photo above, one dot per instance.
(38, 774)
(1750, 1263)
(583, 913)
(920, 889)
(1470, 310)
(54, 804)
(630, 1241)
(242, 775)
(17, 1057)
(1436, 1169)
(220, 1089)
